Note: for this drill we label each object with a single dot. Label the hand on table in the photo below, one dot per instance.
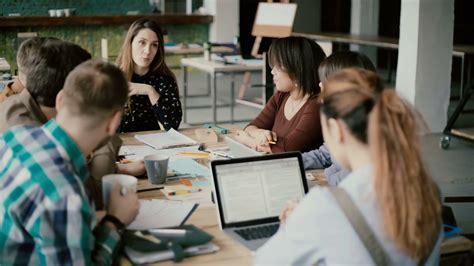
(264, 136)
(135, 168)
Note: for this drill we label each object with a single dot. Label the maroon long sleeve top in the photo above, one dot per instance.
(301, 133)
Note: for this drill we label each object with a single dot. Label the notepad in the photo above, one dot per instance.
(150, 257)
(157, 213)
(166, 140)
(189, 166)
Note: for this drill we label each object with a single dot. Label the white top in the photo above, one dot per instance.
(319, 232)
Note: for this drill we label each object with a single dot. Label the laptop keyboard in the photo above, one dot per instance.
(258, 232)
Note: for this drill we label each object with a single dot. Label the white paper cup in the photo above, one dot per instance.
(128, 183)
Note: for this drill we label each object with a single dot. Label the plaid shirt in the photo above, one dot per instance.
(46, 216)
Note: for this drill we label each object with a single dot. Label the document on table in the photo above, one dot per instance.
(166, 140)
(203, 198)
(189, 166)
(137, 152)
(157, 213)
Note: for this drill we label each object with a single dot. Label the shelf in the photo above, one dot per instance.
(33, 21)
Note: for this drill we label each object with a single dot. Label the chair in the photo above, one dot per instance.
(449, 131)
(267, 88)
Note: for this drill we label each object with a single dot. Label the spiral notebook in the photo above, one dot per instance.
(157, 213)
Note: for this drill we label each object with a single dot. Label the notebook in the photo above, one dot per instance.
(171, 243)
(166, 140)
(239, 150)
(138, 257)
(157, 213)
(250, 193)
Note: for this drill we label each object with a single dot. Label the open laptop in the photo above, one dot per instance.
(240, 150)
(250, 193)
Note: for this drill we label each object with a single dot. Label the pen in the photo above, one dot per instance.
(184, 191)
(219, 154)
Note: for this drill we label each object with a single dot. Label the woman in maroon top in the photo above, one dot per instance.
(290, 120)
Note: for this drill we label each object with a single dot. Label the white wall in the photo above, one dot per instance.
(226, 19)
(425, 57)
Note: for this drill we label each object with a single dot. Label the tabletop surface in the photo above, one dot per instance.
(205, 217)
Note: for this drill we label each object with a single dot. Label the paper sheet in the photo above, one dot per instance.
(189, 166)
(137, 152)
(166, 140)
(157, 213)
(203, 198)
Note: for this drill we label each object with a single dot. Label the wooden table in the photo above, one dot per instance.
(205, 217)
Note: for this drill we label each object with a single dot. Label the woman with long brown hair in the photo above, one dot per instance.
(154, 98)
(389, 189)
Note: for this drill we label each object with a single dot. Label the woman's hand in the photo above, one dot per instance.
(143, 89)
(264, 136)
(264, 148)
(245, 138)
(287, 211)
(261, 136)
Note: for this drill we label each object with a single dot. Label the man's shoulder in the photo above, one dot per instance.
(14, 112)
(20, 133)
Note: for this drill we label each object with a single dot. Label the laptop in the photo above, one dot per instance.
(240, 150)
(250, 193)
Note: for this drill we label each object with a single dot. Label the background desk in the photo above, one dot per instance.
(212, 68)
(465, 52)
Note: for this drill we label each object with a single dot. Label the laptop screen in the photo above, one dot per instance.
(258, 188)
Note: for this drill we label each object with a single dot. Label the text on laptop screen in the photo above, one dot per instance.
(260, 189)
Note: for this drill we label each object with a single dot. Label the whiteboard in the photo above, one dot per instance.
(274, 19)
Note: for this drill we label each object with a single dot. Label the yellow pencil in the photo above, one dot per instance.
(271, 142)
(195, 154)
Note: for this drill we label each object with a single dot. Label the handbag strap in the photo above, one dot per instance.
(361, 227)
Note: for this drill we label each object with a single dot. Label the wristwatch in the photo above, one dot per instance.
(114, 220)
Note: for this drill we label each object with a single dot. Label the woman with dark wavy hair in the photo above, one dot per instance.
(290, 119)
(154, 98)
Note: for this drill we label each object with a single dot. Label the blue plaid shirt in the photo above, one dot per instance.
(46, 216)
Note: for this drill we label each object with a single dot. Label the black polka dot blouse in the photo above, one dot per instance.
(140, 115)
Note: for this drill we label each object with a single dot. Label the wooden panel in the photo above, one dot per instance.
(100, 20)
(271, 31)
